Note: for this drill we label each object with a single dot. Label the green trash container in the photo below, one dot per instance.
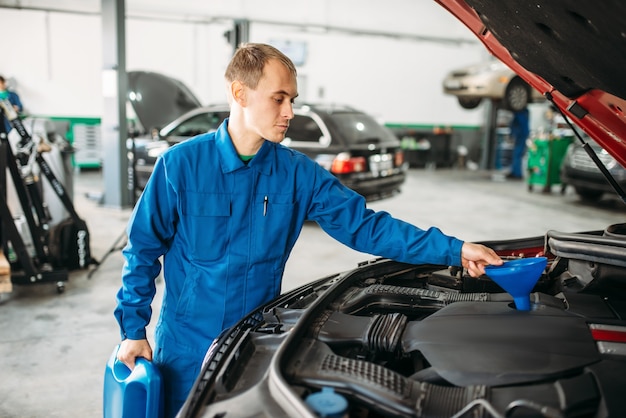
(545, 157)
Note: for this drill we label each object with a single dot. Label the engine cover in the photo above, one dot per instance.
(494, 344)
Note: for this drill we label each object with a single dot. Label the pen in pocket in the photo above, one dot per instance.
(265, 205)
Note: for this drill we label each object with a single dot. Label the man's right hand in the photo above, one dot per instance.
(131, 349)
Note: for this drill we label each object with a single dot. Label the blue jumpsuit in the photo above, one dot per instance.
(520, 129)
(225, 230)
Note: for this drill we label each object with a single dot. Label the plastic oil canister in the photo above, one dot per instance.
(132, 394)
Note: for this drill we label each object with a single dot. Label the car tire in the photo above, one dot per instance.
(469, 102)
(589, 195)
(517, 95)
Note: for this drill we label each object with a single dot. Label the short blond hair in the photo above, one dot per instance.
(249, 61)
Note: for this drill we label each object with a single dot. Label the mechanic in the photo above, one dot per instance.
(224, 210)
(520, 129)
(14, 99)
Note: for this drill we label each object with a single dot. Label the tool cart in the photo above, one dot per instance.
(545, 156)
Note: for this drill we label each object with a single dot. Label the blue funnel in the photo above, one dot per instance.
(518, 277)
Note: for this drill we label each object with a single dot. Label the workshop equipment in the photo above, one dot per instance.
(66, 246)
(5, 275)
(545, 157)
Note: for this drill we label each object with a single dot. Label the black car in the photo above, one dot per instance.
(394, 340)
(365, 155)
(579, 171)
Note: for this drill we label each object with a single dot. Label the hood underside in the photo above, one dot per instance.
(158, 99)
(572, 52)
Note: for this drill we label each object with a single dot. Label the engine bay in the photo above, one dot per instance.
(398, 340)
(404, 351)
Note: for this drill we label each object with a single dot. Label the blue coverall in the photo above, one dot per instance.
(520, 129)
(225, 230)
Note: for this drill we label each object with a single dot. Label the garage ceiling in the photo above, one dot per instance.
(394, 18)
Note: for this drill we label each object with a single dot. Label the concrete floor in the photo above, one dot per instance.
(54, 347)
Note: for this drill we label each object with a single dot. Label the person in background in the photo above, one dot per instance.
(520, 129)
(223, 211)
(13, 98)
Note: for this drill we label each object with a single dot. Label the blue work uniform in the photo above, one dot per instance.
(520, 129)
(225, 229)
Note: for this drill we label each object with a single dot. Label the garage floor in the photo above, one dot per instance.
(54, 347)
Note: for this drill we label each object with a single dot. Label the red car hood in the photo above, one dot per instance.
(572, 51)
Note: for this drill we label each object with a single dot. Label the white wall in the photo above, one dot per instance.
(396, 80)
(57, 62)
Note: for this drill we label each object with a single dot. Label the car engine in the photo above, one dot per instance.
(398, 340)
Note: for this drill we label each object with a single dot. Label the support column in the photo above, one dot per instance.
(118, 190)
(239, 34)
(489, 136)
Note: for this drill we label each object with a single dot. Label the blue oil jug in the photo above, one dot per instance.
(132, 394)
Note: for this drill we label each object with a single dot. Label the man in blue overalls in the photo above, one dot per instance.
(224, 210)
(13, 98)
(520, 129)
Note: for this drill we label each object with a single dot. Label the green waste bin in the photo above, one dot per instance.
(545, 157)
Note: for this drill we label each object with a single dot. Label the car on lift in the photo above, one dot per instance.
(364, 154)
(395, 340)
(489, 80)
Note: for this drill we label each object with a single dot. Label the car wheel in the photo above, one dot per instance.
(469, 102)
(589, 195)
(517, 95)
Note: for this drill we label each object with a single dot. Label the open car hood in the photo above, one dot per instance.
(158, 99)
(572, 52)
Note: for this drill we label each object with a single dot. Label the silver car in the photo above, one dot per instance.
(489, 80)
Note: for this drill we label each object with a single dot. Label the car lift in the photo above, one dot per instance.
(490, 137)
(121, 241)
(37, 268)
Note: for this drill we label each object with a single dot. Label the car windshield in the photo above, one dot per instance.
(360, 128)
(304, 129)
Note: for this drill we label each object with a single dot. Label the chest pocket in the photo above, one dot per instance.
(276, 219)
(206, 224)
